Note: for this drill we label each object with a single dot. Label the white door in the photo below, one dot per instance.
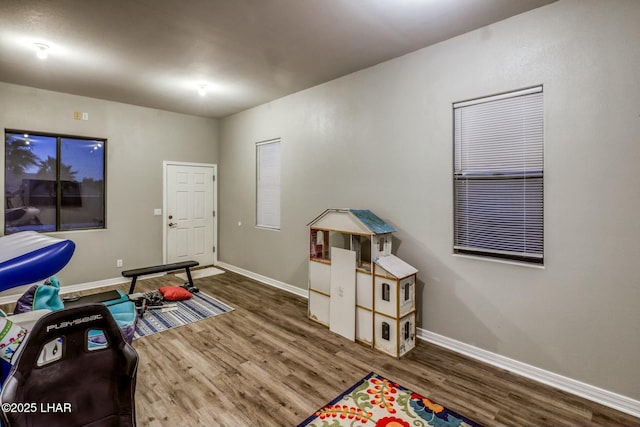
(189, 214)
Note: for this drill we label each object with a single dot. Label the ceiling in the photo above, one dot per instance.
(156, 53)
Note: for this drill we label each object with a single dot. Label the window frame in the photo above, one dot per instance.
(270, 219)
(498, 149)
(59, 137)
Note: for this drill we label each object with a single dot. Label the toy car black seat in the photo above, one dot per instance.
(74, 369)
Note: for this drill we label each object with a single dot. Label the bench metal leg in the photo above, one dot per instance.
(133, 284)
(189, 277)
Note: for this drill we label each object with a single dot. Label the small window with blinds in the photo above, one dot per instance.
(498, 176)
(268, 184)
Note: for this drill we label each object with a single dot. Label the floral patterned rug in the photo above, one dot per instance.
(376, 401)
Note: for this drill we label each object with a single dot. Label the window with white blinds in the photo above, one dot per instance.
(498, 176)
(268, 184)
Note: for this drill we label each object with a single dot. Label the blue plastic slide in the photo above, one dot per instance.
(29, 257)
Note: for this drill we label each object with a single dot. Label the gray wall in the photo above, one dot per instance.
(381, 139)
(139, 140)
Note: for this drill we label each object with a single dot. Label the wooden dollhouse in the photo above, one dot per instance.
(356, 286)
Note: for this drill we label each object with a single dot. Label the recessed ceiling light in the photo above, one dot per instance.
(202, 91)
(42, 50)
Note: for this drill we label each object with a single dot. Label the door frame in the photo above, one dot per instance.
(214, 166)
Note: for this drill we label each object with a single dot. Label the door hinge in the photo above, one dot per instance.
(214, 213)
(214, 177)
(214, 249)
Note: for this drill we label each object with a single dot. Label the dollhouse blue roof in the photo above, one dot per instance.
(373, 222)
(361, 220)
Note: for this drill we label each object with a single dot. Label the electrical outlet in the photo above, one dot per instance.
(119, 263)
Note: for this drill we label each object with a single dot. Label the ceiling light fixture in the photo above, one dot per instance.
(203, 90)
(42, 51)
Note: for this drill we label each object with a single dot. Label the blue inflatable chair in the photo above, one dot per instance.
(30, 257)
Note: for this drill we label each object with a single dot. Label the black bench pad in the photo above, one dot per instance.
(92, 299)
(134, 273)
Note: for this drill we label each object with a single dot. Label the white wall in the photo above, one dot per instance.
(139, 139)
(381, 139)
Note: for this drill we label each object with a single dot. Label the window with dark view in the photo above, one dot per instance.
(53, 182)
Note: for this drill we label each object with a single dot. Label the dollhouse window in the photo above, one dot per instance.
(407, 330)
(385, 331)
(407, 292)
(381, 244)
(386, 292)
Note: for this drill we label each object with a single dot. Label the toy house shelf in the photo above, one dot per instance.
(356, 286)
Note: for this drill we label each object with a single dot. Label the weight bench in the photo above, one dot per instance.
(135, 273)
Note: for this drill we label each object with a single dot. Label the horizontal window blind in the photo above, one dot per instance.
(268, 184)
(498, 176)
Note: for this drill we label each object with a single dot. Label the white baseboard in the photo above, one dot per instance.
(608, 398)
(587, 391)
(266, 280)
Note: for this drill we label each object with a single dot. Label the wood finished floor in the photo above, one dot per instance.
(265, 364)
